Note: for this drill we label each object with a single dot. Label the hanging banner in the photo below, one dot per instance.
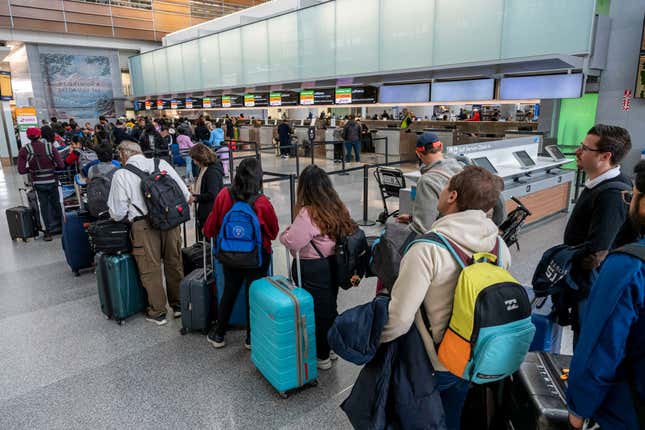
(26, 117)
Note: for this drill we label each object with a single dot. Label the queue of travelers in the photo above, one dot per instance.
(454, 201)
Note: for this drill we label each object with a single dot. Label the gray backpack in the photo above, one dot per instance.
(86, 157)
(387, 252)
(98, 191)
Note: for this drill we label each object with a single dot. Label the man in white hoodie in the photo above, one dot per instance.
(428, 273)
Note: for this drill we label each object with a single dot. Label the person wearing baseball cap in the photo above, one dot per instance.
(40, 159)
(436, 170)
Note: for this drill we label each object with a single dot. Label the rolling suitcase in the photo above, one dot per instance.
(76, 242)
(21, 222)
(120, 291)
(538, 394)
(283, 333)
(198, 305)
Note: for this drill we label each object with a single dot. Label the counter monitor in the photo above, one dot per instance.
(555, 152)
(524, 159)
(485, 163)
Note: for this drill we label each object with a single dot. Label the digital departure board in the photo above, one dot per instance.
(283, 98)
(177, 103)
(323, 96)
(364, 95)
(211, 102)
(256, 100)
(193, 103)
(232, 101)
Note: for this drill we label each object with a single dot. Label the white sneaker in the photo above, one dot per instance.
(333, 356)
(324, 364)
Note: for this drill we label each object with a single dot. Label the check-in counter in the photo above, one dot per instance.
(544, 188)
(265, 135)
(400, 143)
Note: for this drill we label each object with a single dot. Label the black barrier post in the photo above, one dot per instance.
(231, 164)
(312, 148)
(297, 159)
(365, 222)
(292, 195)
(387, 158)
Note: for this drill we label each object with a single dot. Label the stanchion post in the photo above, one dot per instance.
(292, 195)
(342, 161)
(365, 222)
(297, 159)
(231, 164)
(312, 147)
(387, 152)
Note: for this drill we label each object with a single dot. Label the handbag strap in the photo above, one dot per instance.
(316, 248)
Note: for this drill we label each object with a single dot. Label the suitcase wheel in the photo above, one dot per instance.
(183, 331)
(284, 395)
(77, 273)
(120, 322)
(313, 383)
(24, 239)
(205, 331)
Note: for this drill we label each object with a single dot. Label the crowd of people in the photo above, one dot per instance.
(455, 200)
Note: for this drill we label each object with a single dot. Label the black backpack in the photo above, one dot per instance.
(387, 252)
(98, 191)
(167, 206)
(351, 259)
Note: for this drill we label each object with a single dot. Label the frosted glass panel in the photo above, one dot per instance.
(136, 76)
(148, 74)
(210, 58)
(230, 57)
(468, 31)
(357, 36)
(406, 38)
(176, 78)
(160, 71)
(283, 48)
(317, 41)
(255, 54)
(190, 54)
(547, 27)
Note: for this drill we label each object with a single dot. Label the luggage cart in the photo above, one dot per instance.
(390, 182)
(513, 223)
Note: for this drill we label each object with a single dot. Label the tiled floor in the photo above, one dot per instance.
(64, 366)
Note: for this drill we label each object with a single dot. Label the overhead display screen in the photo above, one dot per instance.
(139, 105)
(454, 91)
(193, 103)
(211, 102)
(163, 104)
(317, 97)
(256, 100)
(177, 103)
(542, 87)
(412, 93)
(232, 101)
(6, 93)
(283, 98)
(148, 104)
(356, 95)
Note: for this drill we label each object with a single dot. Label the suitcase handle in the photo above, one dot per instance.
(298, 272)
(303, 322)
(210, 249)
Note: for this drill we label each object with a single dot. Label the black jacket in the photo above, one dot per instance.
(160, 148)
(212, 183)
(120, 134)
(202, 133)
(396, 389)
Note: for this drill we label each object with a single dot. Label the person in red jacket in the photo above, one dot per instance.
(246, 185)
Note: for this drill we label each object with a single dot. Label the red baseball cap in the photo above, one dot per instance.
(33, 133)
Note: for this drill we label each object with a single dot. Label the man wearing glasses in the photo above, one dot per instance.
(607, 376)
(600, 210)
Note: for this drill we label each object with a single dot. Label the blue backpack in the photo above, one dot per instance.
(239, 242)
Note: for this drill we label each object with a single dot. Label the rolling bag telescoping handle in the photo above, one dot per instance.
(210, 249)
(287, 255)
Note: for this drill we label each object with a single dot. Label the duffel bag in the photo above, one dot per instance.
(110, 237)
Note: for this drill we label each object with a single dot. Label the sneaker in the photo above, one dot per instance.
(159, 319)
(247, 343)
(216, 340)
(333, 356)
(48, 237)
(176, 311)
(324, 364)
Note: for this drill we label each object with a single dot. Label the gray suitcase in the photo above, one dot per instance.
(198, 297)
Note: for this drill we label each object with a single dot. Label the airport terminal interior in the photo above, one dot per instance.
(364, 89)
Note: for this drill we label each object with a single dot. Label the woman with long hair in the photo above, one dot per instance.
(322, 219)
(210, 182)
(246, 187)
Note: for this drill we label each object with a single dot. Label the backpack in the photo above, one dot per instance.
(239, 241)
(351, 259)
(387, 252)
(48, 151)
(167, 206)
(490, 328)
(98, 191)
(86, 157)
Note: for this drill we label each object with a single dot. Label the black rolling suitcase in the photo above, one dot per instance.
(538, 393)
(20, 221)
(197, 295)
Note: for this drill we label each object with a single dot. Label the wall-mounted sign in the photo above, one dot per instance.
(6, 93)
(26, 118)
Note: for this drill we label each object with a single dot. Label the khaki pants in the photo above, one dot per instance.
(150, 247)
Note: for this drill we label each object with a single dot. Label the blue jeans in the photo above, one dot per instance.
(349, 144)
(189, 166)
(453, 391)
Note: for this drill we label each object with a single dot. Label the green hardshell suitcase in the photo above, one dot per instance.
(120, 291)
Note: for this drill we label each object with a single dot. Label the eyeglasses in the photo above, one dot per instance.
(627, 196)
(586, 148)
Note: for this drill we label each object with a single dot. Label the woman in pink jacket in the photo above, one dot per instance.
(185, 143)
(322, 220)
